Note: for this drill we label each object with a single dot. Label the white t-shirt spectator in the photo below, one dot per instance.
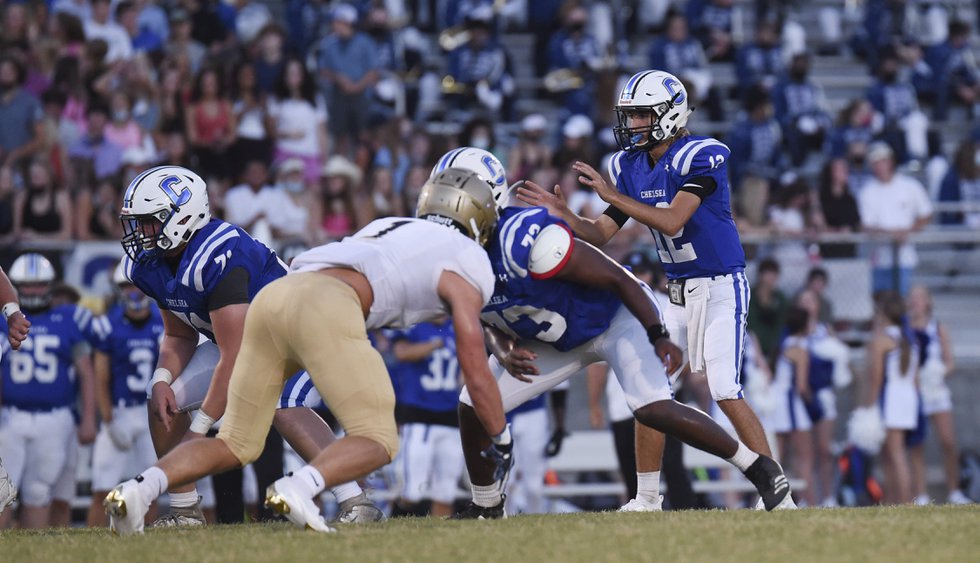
(296, 122)
(242, 206)
(896, 205)
(250, 20)
(118, 41)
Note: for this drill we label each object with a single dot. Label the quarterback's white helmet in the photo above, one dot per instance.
(479, 162)
(32, 268)
(162, 208)
(654, 92)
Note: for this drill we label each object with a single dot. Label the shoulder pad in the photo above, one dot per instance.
(517, 234)
(700, 157)
(616, 167)
(551, 250)
(210, 260)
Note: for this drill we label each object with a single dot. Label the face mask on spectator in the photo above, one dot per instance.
(120, 115)
(293, 186)
(480, 142)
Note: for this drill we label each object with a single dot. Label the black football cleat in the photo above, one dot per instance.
(771, 482)
(474, 511)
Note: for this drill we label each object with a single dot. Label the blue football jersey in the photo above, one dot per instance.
(561, 313)
(211, 253)
(41, 375)
(431, 384)
(708, 245)
(133, 350)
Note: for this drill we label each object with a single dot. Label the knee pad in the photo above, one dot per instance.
(35, 493)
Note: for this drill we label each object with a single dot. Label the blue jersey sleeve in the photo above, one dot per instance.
(518, 234)
(615, 171)
(99, 333)
(77, 331)
(707, 158)
(216, 258)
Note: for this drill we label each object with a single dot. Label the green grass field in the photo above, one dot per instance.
(865, 535)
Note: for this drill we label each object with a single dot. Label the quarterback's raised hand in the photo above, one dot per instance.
(534, 195)
(591, 177)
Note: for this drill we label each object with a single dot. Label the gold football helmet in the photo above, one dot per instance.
(460, 199)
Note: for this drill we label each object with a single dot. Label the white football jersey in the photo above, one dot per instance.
(403, 259)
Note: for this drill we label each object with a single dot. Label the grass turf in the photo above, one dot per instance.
(940, 533)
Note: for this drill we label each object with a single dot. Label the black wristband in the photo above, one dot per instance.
(656, 332)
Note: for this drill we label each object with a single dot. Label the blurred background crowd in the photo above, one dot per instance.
(849, 121)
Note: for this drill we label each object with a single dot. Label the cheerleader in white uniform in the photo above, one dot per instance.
(893, 366)
(935, 364)
(791, 387)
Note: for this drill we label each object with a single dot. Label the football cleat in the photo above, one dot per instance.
(126, 509)
(642, 505)
(771, 482)
(359, 510)
(955, 497)
(8, 492)
(922, 500)
(284, 498)
(182, 517)
(474, 511)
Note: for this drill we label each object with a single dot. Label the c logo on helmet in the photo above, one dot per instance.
(674, 88)
(178, 199)
(496, 178)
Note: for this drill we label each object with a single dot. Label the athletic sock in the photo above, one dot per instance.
(743, 458)
(151, 484)
(648, 486)
(309, 480)
(346, 491)
(486, 496)
(184, 500)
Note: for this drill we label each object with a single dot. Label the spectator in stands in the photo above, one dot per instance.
(681, 55)
(348, 67)
(299, 119)
(576, 142)
(479, 133)
(289, 179)
(756, 142)
(956, 71)
(174, 93)
(543, 20)
(530, 152)
(21, 127)
(855, 130)
(337, 213)
(711, 21)
(211, 128)
(100, 26)
(153, 18)
(96, 211)
(8, 191)
(122, 130)
(142, 39)
(962, 182)
(43, 210)
(839, 208)
(212, 23)
(19, 29)
(270, 60)
(894, 99)
(182, 45)
(264, 210)
(759, 64)
(250, 18)
(480, 79)
(573, 61)
(95, 155)
(767, 311)
(790, 219)
(253, 140)
(799, 106)
(816, 284)
(894, 206)
(68, 32)
(883, 25)
(382, 189)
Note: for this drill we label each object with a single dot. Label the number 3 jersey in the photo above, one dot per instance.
(427, 391)
(534, 306)
(212, 253)
(41, 375)
(708, 244)
(133, 349)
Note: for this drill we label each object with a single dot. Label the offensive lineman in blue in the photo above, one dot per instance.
(126, 340)
(203, 273)
(41, 382)
(676, 184)
(560, 305)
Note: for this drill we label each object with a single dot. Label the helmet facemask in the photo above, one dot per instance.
(647, 136)
(144, 237)
(34, 297)
(135, 303)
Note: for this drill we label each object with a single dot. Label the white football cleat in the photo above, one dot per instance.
(284, 498)
(955, 497)
(786, 504)
(8, 492)
(125, 508)
(642, 505)
(923, 500)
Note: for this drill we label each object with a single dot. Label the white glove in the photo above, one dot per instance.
(866, 429)
(120, 438)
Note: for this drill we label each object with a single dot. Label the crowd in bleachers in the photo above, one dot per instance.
(310, 118)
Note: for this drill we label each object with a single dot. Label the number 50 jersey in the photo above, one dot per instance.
(133, 350)
(533, 306)
(41, 375)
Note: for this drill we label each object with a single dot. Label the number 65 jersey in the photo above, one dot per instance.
(528, 303)
(708, 245)
(40, 376)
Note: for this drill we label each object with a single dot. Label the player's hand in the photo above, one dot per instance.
(590, 177)
(502, 455)
(519, 362)
(533, 194)
(86, 432)
(669, 354)
(554, 443)
(17, 328)
(163, 404)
